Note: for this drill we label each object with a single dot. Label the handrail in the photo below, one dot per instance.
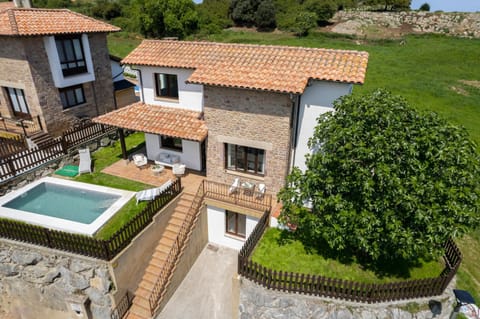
(250, 199)
(160, 285)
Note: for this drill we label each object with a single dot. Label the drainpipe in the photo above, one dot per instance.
(296, 115)
(140, 82)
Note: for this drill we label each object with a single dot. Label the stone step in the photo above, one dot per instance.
(140, 311)
(157, 262)
(170, 234)
(166, 242)
(174, 228)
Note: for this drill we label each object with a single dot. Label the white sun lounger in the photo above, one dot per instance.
(235, 186)
(85, 165)
(151, 193)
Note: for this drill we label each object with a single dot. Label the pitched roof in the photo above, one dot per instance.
(271, 68)
(28, 22)
(160, 120)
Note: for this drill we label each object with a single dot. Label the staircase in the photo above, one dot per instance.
(41, 138)
(140, 308)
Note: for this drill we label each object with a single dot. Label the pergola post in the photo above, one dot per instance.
(122, 143)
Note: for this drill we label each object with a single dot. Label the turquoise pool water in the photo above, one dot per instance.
(65, 202)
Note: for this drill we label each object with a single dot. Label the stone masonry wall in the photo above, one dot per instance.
(454, 23)
(98, 94)
(249, 118)
(42, 283)
(257, 302)
(24, 63)
(15, 72)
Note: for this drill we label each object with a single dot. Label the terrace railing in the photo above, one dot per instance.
(339, 288)
(246, 198)
(160, 285)
(21, 126)
(85, 245)
(12, 145)
(23, 161)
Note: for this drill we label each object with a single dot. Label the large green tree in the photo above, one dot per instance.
(387, 181)
(160, 18)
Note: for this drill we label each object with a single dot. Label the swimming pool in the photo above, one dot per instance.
(64, 204)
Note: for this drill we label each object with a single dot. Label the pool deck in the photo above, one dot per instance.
(127, 169)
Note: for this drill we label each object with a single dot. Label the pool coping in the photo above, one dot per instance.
(63, 224)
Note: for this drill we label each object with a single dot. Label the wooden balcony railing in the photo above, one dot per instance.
(246, 198)
(21, 126)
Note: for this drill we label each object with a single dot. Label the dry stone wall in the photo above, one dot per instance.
(454, 23)
(257, 302)
(48, 282)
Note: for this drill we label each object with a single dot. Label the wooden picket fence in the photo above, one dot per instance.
(343, 289)
(86, 245)
(11, 145)
(23, 161)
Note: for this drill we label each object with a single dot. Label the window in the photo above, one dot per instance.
(70, 52)
(172, 142)
(18, 102)
(72, 96)
(166, 85)
(236, 224)
(245, 159)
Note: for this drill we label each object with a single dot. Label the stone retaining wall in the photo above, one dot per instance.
(257, 302)
(43, 283)
(455, 23)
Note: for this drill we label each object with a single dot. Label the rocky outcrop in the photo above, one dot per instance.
(455, 23)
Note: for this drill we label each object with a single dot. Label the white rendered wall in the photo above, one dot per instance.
(189, 156)
(54, 61)
(317, 99)
(117, 71)
(216, 229)
(190, 96)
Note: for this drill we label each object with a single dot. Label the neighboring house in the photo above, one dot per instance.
(259, 103)
(124, 89)
(54, 67)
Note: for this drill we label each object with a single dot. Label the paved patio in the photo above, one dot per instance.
(127, 169)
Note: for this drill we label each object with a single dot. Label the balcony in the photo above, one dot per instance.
(246, 198)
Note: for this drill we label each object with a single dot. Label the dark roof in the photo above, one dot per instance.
(122, 85)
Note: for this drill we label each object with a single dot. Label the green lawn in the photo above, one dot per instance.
(103, 158)
(429, 71)
(122, 43)
(278, 253)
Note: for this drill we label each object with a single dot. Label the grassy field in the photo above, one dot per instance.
(436, 73)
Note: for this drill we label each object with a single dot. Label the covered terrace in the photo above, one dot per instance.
(172, 135)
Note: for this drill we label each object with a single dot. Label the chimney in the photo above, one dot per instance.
(22, 3)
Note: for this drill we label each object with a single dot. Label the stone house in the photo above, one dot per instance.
(257, 104)
(54, 67)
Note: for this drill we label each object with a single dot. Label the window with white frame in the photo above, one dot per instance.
(236, 224)
(166, 85)
(71, 55)
(245, 159)
(72, 96)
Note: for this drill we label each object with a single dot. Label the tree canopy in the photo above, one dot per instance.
(387, 182)
(160, 18)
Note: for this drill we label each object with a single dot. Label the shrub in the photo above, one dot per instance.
(304, 22)
(425, 7)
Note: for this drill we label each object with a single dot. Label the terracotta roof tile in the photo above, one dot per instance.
(271, 68)
(160, 120)
(27, 22)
